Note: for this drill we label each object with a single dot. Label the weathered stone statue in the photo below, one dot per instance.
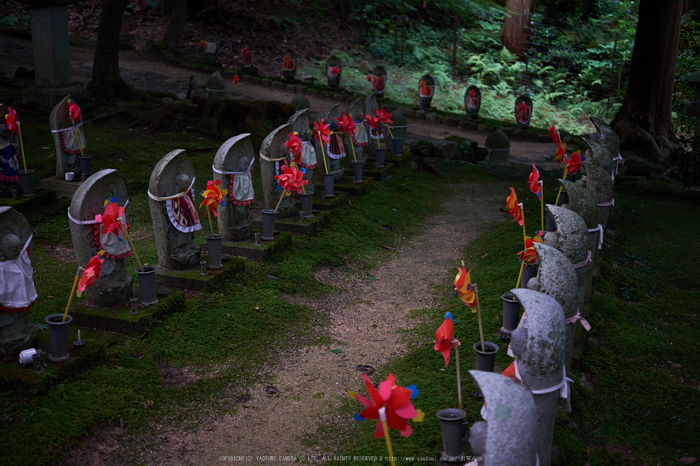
(9, 159)
(300, 125)
(399, 127)
(426, 90)
(607, 137)
(523, 112)
(215, 85)
(498, 146)
(370, 106)
(300, 102)
(335, 149)
(556, 277)
(334, 69)
(472, 102)
(539, 363)
(356, 111)
(68, 139)
(173, 211)
(233, 166)
(114, 285)
(600, 155)
(378, 80)
(508, 437)
(273, 155)
(17, 291)
(600, 185)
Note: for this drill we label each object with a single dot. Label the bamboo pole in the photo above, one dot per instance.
(478, 316)
(72, 293)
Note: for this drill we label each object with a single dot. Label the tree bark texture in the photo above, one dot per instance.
(644, 122)
(515, 32)
(176, 26)
(107, 83)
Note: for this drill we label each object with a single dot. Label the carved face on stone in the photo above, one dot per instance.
(10, 247)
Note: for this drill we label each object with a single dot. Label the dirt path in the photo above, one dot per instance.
(311, 382)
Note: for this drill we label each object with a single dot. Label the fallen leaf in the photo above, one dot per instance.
(673, 365)
(687, 460)
(639, 264)
(228, 315)
(389, 248)
(485, 255)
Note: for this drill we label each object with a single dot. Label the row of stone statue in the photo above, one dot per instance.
(520, 409)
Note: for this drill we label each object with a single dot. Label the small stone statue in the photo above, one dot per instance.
(523, 112)
(334, 69)
(300, 126)
(426, 90)
(115, 284)
(334, 150)
(361, 139)
(17, 291)
(233, 166)
(600, 185)
(274, 154)
(9, 159)
(601, 156)
(68, 139)
(607, 137)
(173, 211)
(472, 102)
(377, 78)
(508, 437)
(539, 363)
(300, 102)
(215, 85)
(498, 146)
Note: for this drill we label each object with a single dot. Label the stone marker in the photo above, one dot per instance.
(523, 112)
(600, 185)
(300, 125)
(17, 291)
(335, 149)
(273, 154)
(472, 102)
(10, 185)
(300, 102)
(378, 80)
(599, 155)
(607, 137)
(539, 363)
(215, 85)
(114, 285)
(173, 211)
(426, 90)
(210, 51)
(508, 436)
(64, 137)
(233, 166)
(498, 146)
(334, 70)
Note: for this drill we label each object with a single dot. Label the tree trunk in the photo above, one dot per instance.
(644, 122)
(176, 26)
(516, 27)
(455, 29)
(107, 83)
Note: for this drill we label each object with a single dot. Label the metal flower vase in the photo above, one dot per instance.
(529, 271)
(328, 184)
(396, 145)
(486, 357)
(27, 179)
(453, 428)
(268, 226)
(147, 284)
(379, 154)
(58, 337)
(215, 245)
(85, 166)
(307, 204)
(357, 172)
(511, 315)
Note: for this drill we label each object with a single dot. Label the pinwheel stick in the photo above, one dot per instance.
(392, 137)
(21, 145)
(211, 224)
(379, 132)
(542, 203)
(280, 201)
(459, 374)
(77, 139)
(131, 245)
(566, 169)
(323, 153)
(387, 439)
(352, 144)
(72, 293)
(478, 316)
(520, 274)
(522, 214)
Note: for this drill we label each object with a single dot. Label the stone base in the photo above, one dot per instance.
(378, 174)
(24, 337)
(257, 252)
(400, 161)
(443, 167)
(120, 319)
(25, 205)
(62, 188)
(49, 96)
(308, 226)
(192, 279)
(330, 203)
(354, 189)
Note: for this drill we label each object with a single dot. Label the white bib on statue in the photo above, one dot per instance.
(16, 277)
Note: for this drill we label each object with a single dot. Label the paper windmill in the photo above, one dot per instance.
(322, 130)
(213, 196)
(372, 121)
(91, 273)
(463, 287)
(560, 153)
(573, 164)
(346, 124)
(288, 63)
(235, 80)
(534, 181)
(522, 112)
(335, 70)
(529, 256)
(554, 134)
(383, 116)
(444, 336)
(291, 179)
(294, 146)
(74, 111)
(246, 56)
(396, 400)
(11, 119)
(514, 208)
(111, 219)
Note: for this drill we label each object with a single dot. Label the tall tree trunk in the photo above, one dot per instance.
(516, 27)
(107, 83)
(176, 26)
(644, 122)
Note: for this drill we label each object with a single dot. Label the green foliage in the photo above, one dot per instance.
(688, 62)
(685, 159)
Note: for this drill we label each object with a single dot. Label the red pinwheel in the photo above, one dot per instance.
(335, 70)
(463, 287)
(91, 273)
(213, 196)
(202, 43)
(534, 181)
(11, 119)
(554, 134)
(288, 63)
(346, 124)
(235, 79)
(74, 111)
(111, 219)
(514, 208)
(247, 57)
(383, 116)
(529, 255)
(372, 121)
(397, 402)
(369, 78)
(322, 130)
(444, 336)
(294, 146)
(573, 164)
(522, 112)
(472, 101)
(425, 90)
(291, 179)
(560, 153)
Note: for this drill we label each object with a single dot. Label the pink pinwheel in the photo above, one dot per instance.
(91, 273)
(534, 181)
(74, 111)
(383, 116)
(346, 124)
(213, 196)
(235, 79)
(396, 400)
(335, 70)
(111, 219)
(322, 130)
(573, 164)
(372, 121)
(554, 134)
(444, 336)
(294, 146)
(291, 179)
(11, 119)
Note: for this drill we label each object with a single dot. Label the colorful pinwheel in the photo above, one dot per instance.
(74, 111)
(529, 255)
(554, 134)
(514, 208)
(111, 219)
(322, 130)
(463, 287)
(11, 120)
(291, 180)
(534, 181)
(560, 153)
(91, 273)
(573, 163)
(372, 121)
(522, 112)
(235, 79)
(444, 336)
(383, 116)
(346, 124)
(335, 70)
(288, 63)
(294, 146)
(213, 196)
(397, 402)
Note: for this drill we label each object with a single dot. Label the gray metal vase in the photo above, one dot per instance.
(511, 312)
(268, 227)
(379, 154)
(396, 145)
(307, 204)
(27, 179)
(357, 172)
(58, 337)
(328, 184)
(85, 166)
(147, 284)
(453, 427)
(215, 245)
(529, 271)
(485, 360)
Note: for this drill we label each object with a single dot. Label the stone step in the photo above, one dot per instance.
(193, 280)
